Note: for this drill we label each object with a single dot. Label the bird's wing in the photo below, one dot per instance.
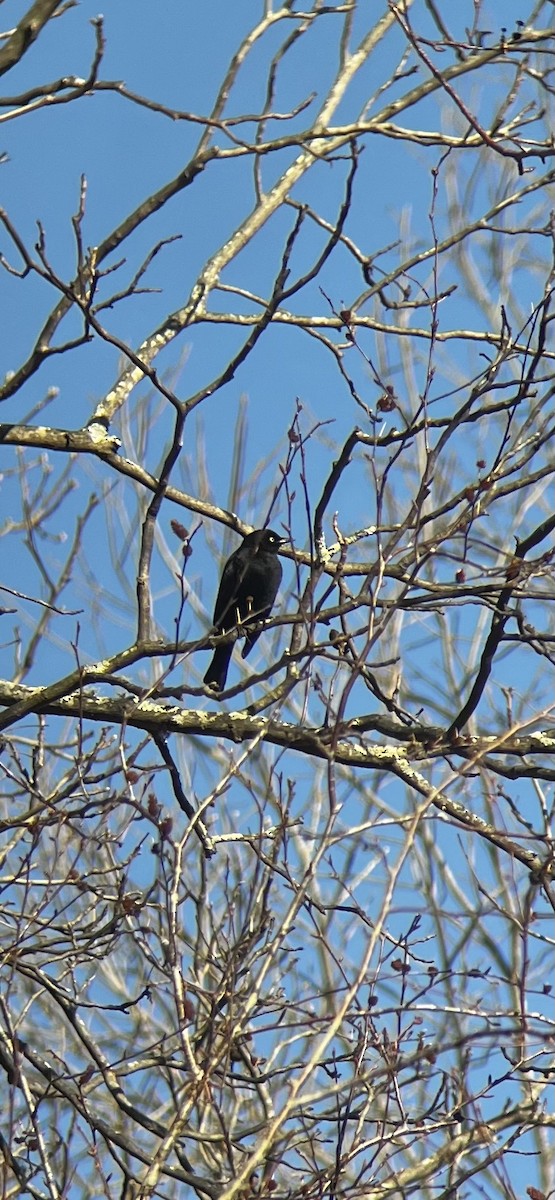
(232, 575)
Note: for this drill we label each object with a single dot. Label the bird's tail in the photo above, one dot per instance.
(216, 674)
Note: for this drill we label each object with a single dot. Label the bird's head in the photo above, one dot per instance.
(270, 540)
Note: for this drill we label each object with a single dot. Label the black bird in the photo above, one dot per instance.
(248, 588)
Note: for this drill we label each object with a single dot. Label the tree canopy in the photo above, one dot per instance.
(285, 266)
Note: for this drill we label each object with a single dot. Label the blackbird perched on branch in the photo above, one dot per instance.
(248, 588)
